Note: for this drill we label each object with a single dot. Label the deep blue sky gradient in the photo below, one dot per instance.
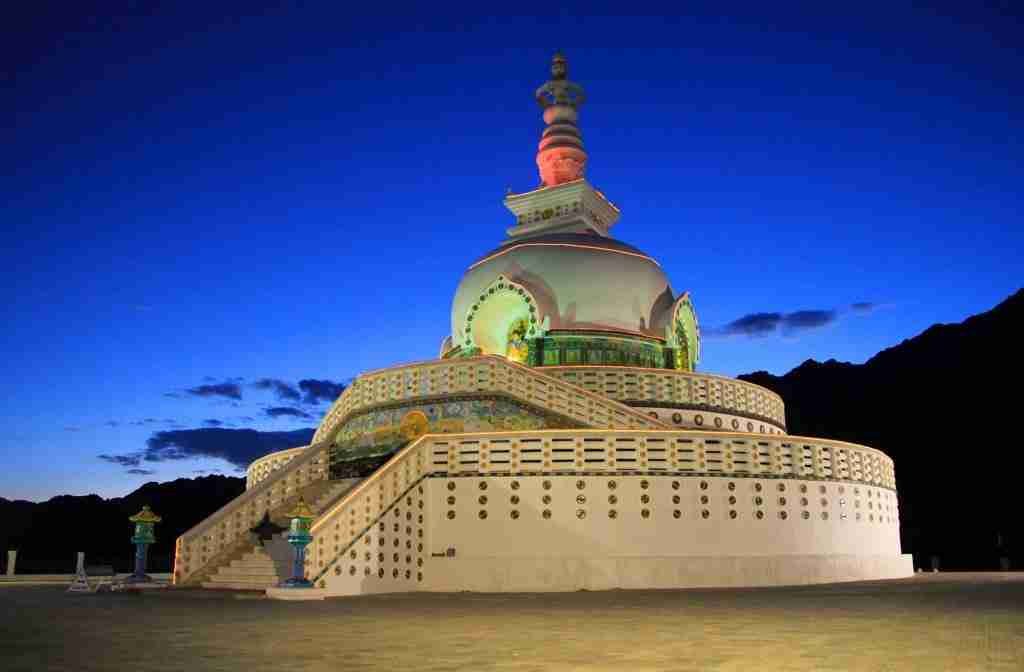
(197, 193)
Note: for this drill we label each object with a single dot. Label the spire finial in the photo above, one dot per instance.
(559, 66)
(560, 157)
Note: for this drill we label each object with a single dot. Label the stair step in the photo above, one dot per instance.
(236, 585)
(246, 578)
(248, 571)
(255, 554)
(243, 575)
(255, 557)
(265, 580)
(252, 564)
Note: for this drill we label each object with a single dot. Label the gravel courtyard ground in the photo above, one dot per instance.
(934, 622)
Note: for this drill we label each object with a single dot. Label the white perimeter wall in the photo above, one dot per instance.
(794, 542)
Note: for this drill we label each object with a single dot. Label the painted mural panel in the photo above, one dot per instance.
(383, 431)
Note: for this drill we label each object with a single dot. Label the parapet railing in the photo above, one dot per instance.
(265, 466)
(698, 390)
(587, 451)
(487, 373)
(227, 528)
(675, 451)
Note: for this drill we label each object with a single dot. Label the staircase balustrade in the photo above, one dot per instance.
(225, 531)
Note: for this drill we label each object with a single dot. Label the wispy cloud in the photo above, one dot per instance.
(237, 446)
(287, 412)
(759, 325)
(755, 325)
(228, 390)
(807, 319)
(316, 391)
(283, 390)
(130, 460)
(308, 391)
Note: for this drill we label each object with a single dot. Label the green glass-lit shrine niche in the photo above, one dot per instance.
(368, 439)
(517, 348)
(503, 320)
(579, 348)
(683, 335)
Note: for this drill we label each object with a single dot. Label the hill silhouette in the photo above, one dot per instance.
(946, 406)
(48, 534)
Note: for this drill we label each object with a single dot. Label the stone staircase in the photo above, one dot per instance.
(260, 568)
(266, 565)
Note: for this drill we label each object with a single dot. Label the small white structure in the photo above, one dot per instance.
(81, 584)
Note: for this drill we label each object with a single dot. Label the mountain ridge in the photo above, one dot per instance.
(930, 402)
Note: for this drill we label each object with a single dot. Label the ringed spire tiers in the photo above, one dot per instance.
(565, 202)
(560, 155)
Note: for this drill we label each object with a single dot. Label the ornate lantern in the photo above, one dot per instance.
(144, 521)
(299, 537)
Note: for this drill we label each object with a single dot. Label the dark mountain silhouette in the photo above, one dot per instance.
(946, 405)
(48, 534)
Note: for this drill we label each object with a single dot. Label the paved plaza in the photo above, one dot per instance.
(933, 622)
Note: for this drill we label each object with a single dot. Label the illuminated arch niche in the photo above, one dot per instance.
(684, 334)
(502, 320)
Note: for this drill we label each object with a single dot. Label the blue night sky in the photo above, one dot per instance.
(197, 199)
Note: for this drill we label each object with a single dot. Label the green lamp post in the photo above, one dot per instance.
(144, 521)
(299, 537)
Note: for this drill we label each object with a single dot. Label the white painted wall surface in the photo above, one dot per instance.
(567, 552)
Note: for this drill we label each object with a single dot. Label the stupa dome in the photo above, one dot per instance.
(572, 281)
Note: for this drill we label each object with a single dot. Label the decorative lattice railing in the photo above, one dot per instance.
(488, 373)
(227, 529)
(686, 388)
(586, 451)
(265, 466)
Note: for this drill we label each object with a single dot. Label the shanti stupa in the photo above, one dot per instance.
(562, 440)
